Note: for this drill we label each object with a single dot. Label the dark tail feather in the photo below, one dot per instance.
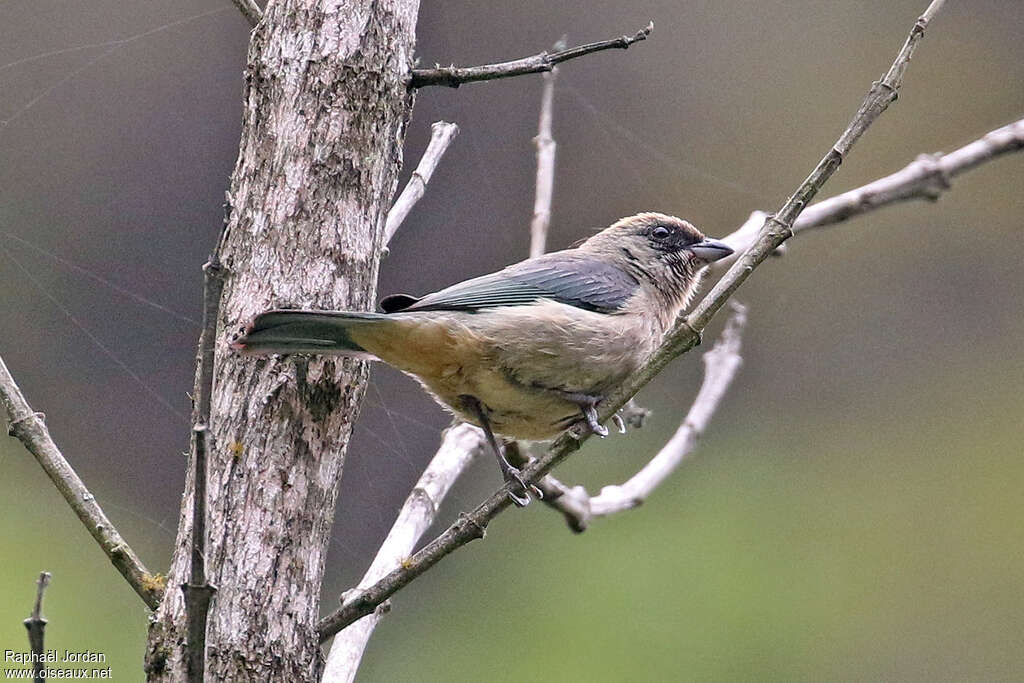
(319, 332)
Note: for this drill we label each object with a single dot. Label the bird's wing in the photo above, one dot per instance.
(569, 277)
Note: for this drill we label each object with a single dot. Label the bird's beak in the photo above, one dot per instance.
(710, 250)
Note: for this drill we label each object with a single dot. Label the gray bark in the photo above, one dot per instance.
(325, 109)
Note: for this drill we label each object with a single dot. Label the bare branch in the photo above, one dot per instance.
(442, 134)
(454, 76)
(545, 144)
(459, 445)
(684, 336)
(198, 591)
(927, 177)
(250, 10)
(36, 626)
(28, 427)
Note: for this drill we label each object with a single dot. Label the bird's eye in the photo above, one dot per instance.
(660, 232)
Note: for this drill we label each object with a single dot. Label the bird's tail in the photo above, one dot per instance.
(319, 332)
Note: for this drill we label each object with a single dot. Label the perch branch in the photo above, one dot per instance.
(28, 427)
(459, 445)
(36, 626)
(454, 76)
(250, 10)
(683, 337)
(442, 134)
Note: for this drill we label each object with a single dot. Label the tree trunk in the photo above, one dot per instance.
(325, 110)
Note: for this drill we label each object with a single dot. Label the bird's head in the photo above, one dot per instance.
(666, 254)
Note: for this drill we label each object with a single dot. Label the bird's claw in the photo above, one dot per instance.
(590, 412)
(517, 484)
(517, 500)
(619, 423)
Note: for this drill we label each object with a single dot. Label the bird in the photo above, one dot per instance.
(529, 351)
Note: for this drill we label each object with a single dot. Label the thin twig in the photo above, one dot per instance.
(28, 427)
(459, 445)
(441, 135)
(683, 337)
(198, 591)
(454, 76)
(250, 10)
(36, 626)
(545, 144)
(927, 177)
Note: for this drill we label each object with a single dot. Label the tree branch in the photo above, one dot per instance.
(683, 337)
(442, 134)
(454, 76)
(545, 144)
(459, 445)
(927, 177)
(36, 625)
(198, 591)
(250, 10)
(28, 427)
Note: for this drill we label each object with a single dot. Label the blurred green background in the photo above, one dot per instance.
(854, 512)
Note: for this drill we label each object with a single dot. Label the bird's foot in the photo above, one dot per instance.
(590, 413)
(589, 423)
(518, 489)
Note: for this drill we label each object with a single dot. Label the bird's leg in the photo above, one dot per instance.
(511, 474)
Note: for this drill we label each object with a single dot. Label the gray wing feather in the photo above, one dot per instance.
(570, 278)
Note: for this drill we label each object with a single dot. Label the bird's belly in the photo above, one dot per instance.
(528, 366)
(513, 410)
